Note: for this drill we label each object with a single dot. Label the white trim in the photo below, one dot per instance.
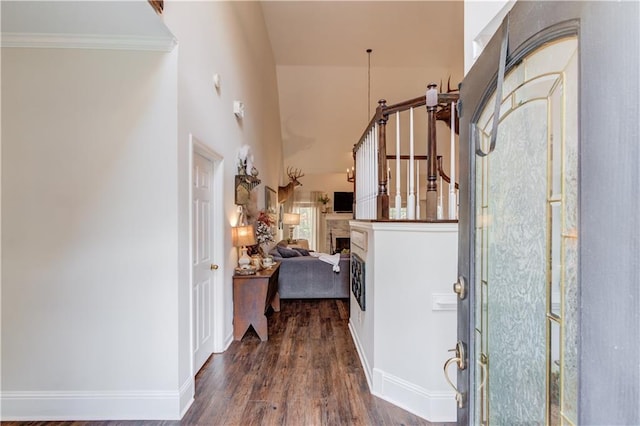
(444, 302)
(361, 352)
(434, 406)
(407, 226)
(225, 343)
(88, 41)
(187, 393)
(196, 146)
(90, 405)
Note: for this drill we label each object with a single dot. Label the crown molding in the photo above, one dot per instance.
(87, 41)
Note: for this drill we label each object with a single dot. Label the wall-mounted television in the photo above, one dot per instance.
(343, 202)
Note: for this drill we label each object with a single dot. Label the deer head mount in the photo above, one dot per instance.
(443, 113)
(284, 192)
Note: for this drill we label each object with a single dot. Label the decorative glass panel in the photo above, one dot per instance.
(570, 245)
(526, 245)
(556, 257)
(554, 374)
(517, 267)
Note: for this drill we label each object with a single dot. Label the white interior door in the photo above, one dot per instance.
(203, 266)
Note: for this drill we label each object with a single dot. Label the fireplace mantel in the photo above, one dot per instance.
(337, 216)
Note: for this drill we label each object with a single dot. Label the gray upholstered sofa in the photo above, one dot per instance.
(307, 277)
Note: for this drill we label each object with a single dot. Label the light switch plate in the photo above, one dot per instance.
(238, 109)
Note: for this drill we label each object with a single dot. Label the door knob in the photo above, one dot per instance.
(460, 287)
(214, 267)
(461, 360)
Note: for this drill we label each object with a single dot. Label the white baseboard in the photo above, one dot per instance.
(434, 406)
(363, 359)
(227, 342)
(92, 405)
(187, 394)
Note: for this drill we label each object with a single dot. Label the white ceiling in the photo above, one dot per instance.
(337, 33)
(320, 52)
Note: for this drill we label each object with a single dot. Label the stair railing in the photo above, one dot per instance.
(371, 166)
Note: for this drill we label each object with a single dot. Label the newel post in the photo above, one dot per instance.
(382, 202)
(432, 165)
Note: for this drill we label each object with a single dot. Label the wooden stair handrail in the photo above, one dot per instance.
(384, 110)
(380, 117)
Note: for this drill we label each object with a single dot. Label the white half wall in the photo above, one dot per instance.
(404, 334)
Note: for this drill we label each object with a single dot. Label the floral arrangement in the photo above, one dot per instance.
(264, 223)
(324, 199)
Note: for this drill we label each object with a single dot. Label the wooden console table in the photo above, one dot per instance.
(252, 296)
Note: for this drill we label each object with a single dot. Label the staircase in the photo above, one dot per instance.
(390, 150)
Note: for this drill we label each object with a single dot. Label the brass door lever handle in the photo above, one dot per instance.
(460, 360)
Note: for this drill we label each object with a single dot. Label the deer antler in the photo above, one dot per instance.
(284, 192)
(294, 174)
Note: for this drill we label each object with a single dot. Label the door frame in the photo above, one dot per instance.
(608, 196)
(217, 249)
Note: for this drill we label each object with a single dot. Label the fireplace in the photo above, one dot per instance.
(342, 243)
(336, 228)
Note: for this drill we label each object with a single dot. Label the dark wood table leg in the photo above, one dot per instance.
(252, 296)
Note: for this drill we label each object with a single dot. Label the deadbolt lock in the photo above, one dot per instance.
(460, 287)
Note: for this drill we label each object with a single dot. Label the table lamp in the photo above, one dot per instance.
(243, 236)
(291, 219)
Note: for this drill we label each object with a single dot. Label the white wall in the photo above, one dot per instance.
(403, 337)
(326, 182)
(320, 146)
(89, 233)
(229, 39)
(481, 20)
(96, 300)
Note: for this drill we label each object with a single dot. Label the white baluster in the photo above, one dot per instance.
(374, 202)
(439, 212)
(358, 183)
(398, 196)
(418, 189)
(453, 202)
(411, 200)
(408, 193)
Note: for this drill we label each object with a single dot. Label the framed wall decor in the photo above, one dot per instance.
(243, 186)
(270, 201)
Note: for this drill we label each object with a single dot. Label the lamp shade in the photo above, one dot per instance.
(291, 219)
(243, 236)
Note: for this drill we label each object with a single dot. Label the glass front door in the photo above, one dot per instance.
(525, 314)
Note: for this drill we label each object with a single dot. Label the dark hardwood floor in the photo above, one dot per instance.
(307, 373)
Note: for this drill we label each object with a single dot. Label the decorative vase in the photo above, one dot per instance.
(264, 249)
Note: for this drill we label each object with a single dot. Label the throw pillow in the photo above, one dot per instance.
(287, 252)
(302, 251)
(274, 252)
